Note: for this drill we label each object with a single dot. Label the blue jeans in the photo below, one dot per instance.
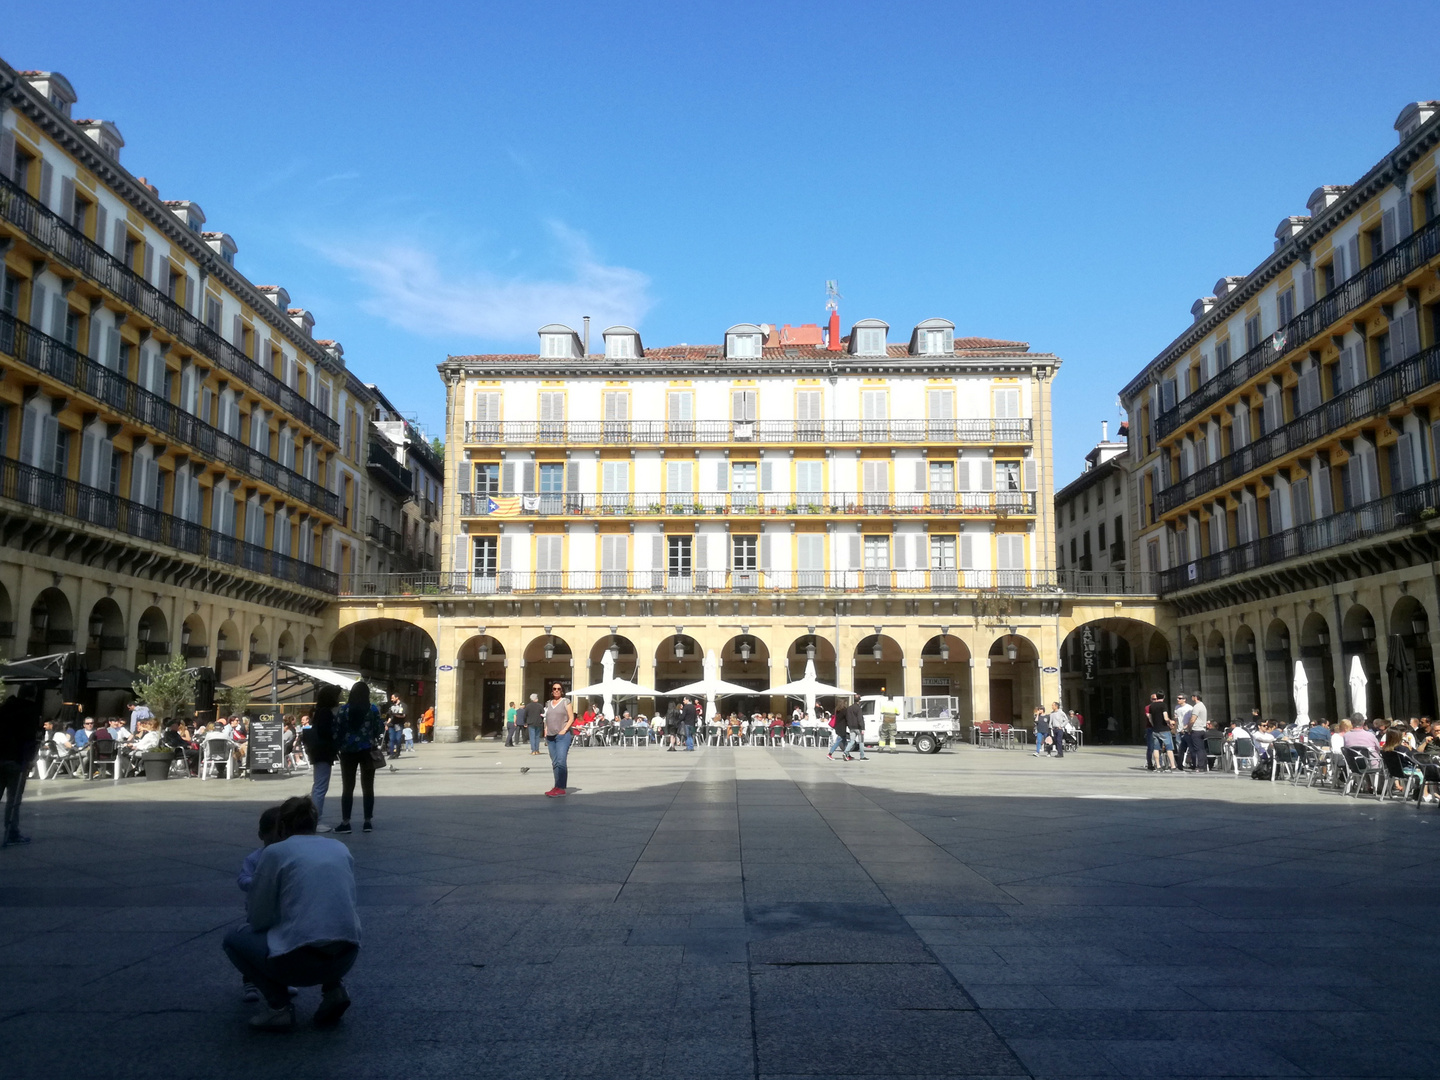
(1155, 741)
(838, 743)
(397, 740)
(534, 738)
(689, 736)
(559, 751)
(1040, 740)
(308, 965)
(857, 742)
(320, 784)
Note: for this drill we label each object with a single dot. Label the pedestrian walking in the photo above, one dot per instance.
(396, 727)
(840, 722)
(358, 734)
(1059, 722)
(1199, 727)
(320, 748)
(510, 714)
(533, 718)
(1158, 735)
(1042, 731)
(559, 719)
(855, 727)
(672, 725)
(689, 717)
(889, 715)
(19, 743)
(303, 923)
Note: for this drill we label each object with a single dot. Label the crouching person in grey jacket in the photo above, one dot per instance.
(303, 923)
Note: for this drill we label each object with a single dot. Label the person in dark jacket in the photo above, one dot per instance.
(320, 747)
(840, 722)
(533, 717)
(855, 727)
(689, 716)
(19, 742)
(359, 733)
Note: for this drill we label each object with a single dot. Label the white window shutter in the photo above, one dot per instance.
(7, 153)
(37, 306)
(507, 552)
(149, 271)
(121, 235)
(702, 552)
(855, 551)
(47, 182)
(463, 474)
(987, 476)
(1032, 472)
(59, 310)
(527, 477)
(1387, 228)
(765, 551)
(1352, 259)
(920, 475)
(1403, 221)
(657, 552)
(572, 476)
(721, 483)
(767, 476)
(967, 551)
(902, 549)
(507, 477)
(66, 209)
(102, 222)
(922, 553)
(962, 475)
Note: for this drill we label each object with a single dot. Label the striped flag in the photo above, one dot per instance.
(502, 505)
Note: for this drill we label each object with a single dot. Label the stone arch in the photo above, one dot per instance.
(480, 668)
(1108, 669)
(1214, 687)
(152, 636)
(1014, 672)
(672, 670)
(1279, 704)
(229, 651)
(194, 644)
(310, 651)
(1411, 667)
(548, 659)
(257, 653)
(879, 666)
(1245, 658)
(105, 635)
(627, 658)
(7, 614)
(285, 646)
(52, 623)
(945, 671)
(798, 653)
(1359, 636)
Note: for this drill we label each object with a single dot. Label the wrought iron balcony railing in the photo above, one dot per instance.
(1389, 270)
(1360, 523)
(747, 503)
(388, 468)
(1370, 398)
(646, 583)
(54, 358)
(41, 490)
(982, 432)
(51, 232)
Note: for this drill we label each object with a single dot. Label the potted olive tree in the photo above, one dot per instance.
(166, 686)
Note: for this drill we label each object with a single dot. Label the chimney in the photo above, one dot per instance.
(1104, 430)
(834, 343)
(586, 340)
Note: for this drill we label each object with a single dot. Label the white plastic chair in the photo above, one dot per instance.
(215, 756)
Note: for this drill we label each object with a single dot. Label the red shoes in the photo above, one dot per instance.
(555, 792)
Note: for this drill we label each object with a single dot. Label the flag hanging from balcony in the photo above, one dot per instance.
(502, 506)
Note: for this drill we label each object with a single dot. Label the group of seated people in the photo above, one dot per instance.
(72, 747)
(1415, 741)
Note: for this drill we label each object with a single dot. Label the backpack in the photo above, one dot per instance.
(1262, 771)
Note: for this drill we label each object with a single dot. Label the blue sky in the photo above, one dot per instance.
(443, 178)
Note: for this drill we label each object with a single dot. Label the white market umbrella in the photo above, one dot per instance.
(1357, 686)
(711, 688)
(809, 688)
(609, 687)
(1301, 690)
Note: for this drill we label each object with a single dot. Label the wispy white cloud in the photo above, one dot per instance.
(337, 177)
(409, 286)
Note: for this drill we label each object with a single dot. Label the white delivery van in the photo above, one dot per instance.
(926, 723)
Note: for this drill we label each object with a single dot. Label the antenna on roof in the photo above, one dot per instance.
(832, 295)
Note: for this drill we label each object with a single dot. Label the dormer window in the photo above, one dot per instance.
(867, 337)
(743, 342)
(933, 337)
(622, 343)
(558, 340)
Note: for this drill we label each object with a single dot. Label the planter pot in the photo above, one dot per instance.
(157, 766)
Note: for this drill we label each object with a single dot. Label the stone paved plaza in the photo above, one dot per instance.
(749, 912)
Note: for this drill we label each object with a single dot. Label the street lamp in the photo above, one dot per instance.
(944, 652)
(1011, 651)
(39, 619)
(483, 652)
(878, 652)
(745, 652)
(810, 651)
(425, 652)
(97, 625)
(549, 650)
(679, 649)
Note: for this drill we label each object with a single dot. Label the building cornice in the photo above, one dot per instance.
(1394, 167)
(1038, 365)
(1089, 478)
(15, 90)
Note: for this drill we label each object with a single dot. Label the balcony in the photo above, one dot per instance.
(36, 489)
(384, 535)
(382, 464)
(1372, 519)
(1382, 275)
(50, 232)
(661, 433)
(429, 510)
(649, 584)
(54, 358)
(1371, 398)
(1118, 554)
(750, 504)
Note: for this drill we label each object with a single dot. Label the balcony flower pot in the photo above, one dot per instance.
(157, 764)
(1429, 513)
(790, 509)
(656, 508)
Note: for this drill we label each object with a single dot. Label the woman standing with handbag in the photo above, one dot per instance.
(359, 732)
